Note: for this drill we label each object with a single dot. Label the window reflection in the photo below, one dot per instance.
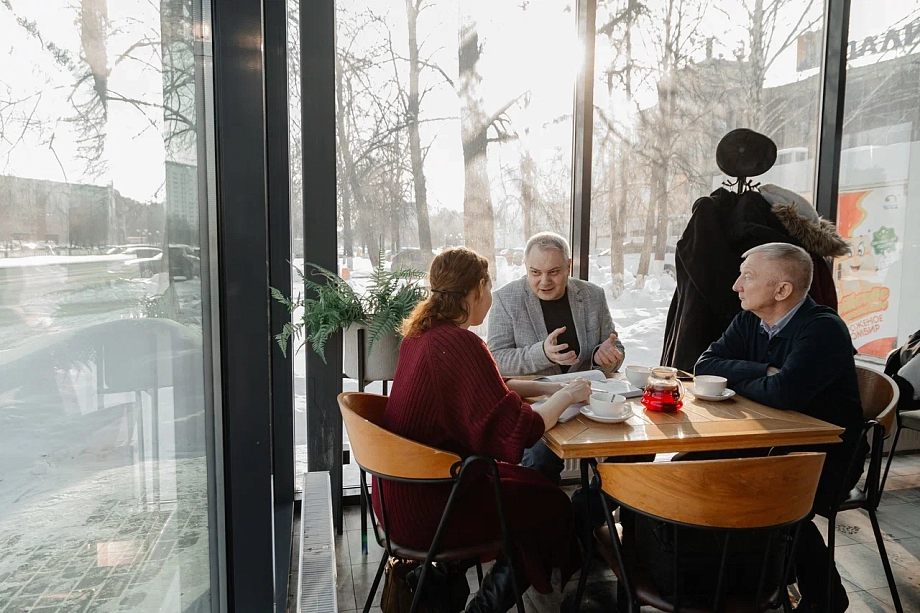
(672, 79)
(877, 211)
(103, 495)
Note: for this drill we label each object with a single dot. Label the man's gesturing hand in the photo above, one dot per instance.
(557, 353)
(607, 353)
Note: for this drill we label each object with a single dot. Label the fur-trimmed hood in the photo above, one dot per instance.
(821, 239)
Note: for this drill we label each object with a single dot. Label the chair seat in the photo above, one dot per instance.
(482, 552)
(856, 499)
(910, 419)
(646, 591)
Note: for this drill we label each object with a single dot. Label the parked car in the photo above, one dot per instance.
(146, 261)
(183, 262)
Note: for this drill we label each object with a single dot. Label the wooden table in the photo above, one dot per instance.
(700, 425)
(737, 423)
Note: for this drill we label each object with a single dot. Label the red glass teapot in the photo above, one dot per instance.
(663, 391)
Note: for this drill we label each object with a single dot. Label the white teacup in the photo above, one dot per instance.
(638, 375)
(710, 385)
(606, 404)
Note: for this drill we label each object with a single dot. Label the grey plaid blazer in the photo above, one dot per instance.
(517, 328)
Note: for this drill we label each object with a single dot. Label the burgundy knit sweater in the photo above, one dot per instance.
(448, 393)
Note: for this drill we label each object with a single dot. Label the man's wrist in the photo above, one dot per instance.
(548, 362)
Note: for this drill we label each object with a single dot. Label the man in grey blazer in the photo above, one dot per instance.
(548, 323)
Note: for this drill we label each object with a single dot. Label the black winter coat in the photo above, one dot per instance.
(722, 227)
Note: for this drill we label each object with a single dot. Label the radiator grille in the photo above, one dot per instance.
(572, 470)
(316, 591)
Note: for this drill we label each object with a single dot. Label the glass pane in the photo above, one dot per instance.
(103, 494)
(454, 127)
(671, 79)
(296, 162)
(877, 209)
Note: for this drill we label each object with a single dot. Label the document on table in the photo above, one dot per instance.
(598, 381)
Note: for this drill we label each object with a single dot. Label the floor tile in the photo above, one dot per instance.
(862, 566)
(353, 519)
(840, 536)
(856, 526)
(342, 557)
(363, 577)
(865, 602)
(344, 589)
(909, 594)
(374, 551)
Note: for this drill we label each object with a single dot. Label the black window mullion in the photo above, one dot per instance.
(245, 334)
(583, 125)
(833, 93)
(320, 237)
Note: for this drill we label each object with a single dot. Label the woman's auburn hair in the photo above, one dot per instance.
(453, 274)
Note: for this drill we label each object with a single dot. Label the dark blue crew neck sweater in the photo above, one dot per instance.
(814, 354)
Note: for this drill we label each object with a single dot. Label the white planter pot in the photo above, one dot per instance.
(380, 364)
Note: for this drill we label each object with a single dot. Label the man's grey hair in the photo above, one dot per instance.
(548, 240)
(796, 264)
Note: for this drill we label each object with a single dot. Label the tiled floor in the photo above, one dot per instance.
(857, 557)
(109, 554)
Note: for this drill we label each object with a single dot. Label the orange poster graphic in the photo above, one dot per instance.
(872, 220)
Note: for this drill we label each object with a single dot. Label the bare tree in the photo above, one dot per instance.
(475, 123)
(413, 8)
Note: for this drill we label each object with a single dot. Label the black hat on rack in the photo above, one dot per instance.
(745, 153)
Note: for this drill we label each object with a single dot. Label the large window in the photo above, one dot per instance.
(672, 77)
(878, 207)
(454, 127)
(103, 468)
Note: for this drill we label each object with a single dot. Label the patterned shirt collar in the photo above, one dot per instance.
(778, 326)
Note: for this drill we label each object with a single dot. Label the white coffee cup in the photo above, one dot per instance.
(638, 375)
(710, 385)
(606, 404)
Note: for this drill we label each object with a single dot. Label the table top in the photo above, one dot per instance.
(736, 423)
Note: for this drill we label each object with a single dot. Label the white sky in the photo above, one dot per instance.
(534, 49)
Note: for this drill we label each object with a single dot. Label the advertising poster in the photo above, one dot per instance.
(868, 280)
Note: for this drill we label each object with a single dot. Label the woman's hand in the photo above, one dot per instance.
(578, 390)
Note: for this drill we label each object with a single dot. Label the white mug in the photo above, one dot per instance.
(602, 407)
(710, 385)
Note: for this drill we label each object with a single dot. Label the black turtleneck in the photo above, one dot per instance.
(558, 313)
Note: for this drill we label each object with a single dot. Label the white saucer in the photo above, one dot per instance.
(587, 412)
(725, 395)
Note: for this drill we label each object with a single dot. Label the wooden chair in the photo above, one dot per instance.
(769, 495)
(878, 394)
(390, 457)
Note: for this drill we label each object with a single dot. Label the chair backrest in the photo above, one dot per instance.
(878, 394)
(738, 493)
(383, 453)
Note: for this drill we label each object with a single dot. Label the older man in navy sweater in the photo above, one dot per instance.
(787, 352)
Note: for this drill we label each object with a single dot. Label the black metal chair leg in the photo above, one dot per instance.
(894, 445)
(885, 563)
(373, 592)
(831, 532)
(588, 539)
(479, 572)
(507, 546)
(363, 515)
(419, 589)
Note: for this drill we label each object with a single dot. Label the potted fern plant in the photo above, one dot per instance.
(389, 299)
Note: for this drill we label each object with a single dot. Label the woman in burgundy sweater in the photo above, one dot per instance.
(448, 393)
